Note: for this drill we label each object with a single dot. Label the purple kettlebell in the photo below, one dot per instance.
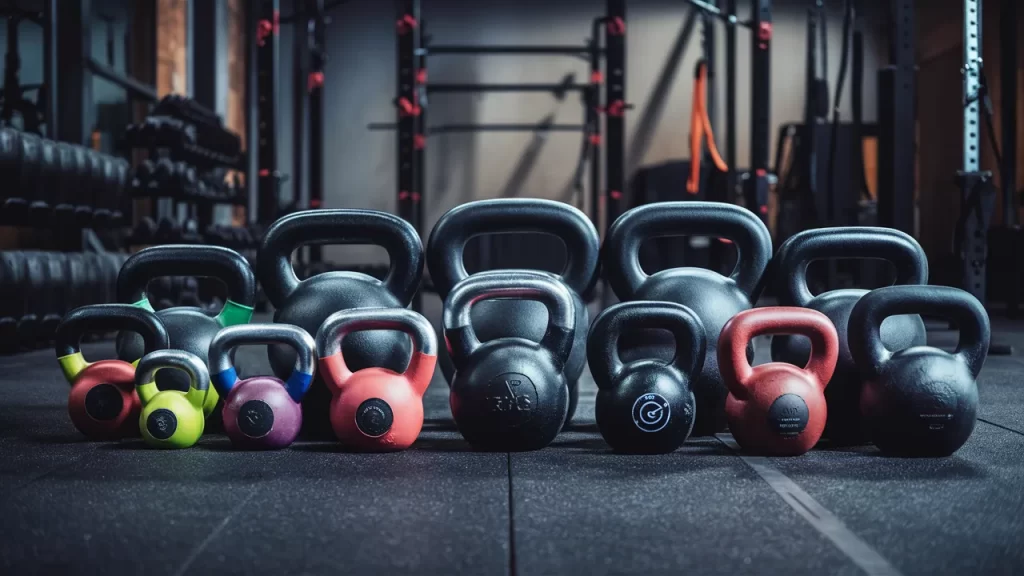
(262, 412)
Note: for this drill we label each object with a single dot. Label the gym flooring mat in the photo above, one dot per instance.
(76, 507)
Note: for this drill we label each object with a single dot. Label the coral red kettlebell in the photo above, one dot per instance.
(103, 404)
(777, 409)
(262, 412)
(377, 408)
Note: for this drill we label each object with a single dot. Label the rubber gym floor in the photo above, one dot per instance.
(75, 507)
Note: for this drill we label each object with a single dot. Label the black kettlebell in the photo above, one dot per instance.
(509, 393)
(307, 303)
(843, 426)
(713, 297)
(646, 406)
(191, 329)
(921, 401)
(520, 318)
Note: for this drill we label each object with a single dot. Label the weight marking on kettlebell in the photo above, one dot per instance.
(161, 424)
(374, 417)
(651, 412)
(788, 415)
(255, 419)
(512, 395)
(103, 402)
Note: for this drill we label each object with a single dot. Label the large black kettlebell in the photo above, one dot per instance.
(647, 405)
(309, 302)
(520, 318)
(509, 393)
(191, 328)
(843, 426)
(920, 401)
(713, 297)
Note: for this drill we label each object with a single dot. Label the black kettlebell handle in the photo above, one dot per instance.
(217, 262)
(509, 284)
(398, 237)
(716, 219)
(603, 343)
(109, 318)
(952, 304)
(448, 239)
(887, 244)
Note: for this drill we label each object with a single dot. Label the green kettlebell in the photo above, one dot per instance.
(172, 418)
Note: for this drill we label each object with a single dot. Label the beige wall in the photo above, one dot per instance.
(360, 86)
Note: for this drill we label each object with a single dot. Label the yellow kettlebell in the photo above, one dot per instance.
(171, 418)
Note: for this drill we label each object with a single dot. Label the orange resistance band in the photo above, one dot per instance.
(700, 125)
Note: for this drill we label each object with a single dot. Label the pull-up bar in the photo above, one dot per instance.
(549, 50)
(712, 10)
(564, 87)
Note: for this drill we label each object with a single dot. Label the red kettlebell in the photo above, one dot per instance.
(377, 408)
(777, 409)
(103, 404)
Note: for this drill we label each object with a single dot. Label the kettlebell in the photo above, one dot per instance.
(102, 403)
(172, 418)
(844, 425)
(647, 405)
(191, 328)
(519, 318)
(509, 393)
(377, 408)
(262, 412)
(713, 297)
(777, 409)
(309, 302)
(920, 401)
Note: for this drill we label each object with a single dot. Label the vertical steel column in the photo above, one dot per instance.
(896, 116)
(1008, 109)
(593, 118)
(756, 187)
(420, 125)
(615, 108)
(300, 100)
(267, 53)
(708, 43)
(74, 90)
(730, 97)
(50, 75)
(314, 85)
(407, 108)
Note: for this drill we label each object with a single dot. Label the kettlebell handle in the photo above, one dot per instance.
(953, 304)
(340, 324)
(715, 219)
(685, 326)
(217, 262)
(447, 244)
(199, 376)
(509, 284)
(748, 324)
(336, 227)
(887, 244)
(104, 318)
(223, 373)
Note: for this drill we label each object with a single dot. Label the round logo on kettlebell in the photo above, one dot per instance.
(374, 417)
(511, 397)
(788, 415)
(255, 419)
(161, 424)
(651, 412)
(103, 402)
(937, 408)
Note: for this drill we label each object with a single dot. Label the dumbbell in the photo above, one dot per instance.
(12, 298)
(93, 286)
(48, 174)
(104, 200)
(35, 302)
(67, 184)
(123, 204)
(30, 180)
(55, 295)
(74, 272)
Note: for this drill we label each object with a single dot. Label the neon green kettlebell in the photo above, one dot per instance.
(171, 418)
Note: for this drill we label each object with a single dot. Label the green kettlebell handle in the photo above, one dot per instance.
(887, 244)
(621, 250)
(509, 284)
(217, 262)
(952, 304)
(104, 318)
(685, 326)
(198, 374)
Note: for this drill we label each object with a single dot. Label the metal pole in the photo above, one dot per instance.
(1008, 111)
(267, 51)
(756, 192)
(315, 87)
(615, 108)
(730, 99)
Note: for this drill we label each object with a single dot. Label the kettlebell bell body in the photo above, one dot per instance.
(172, 418)
(519, 318)
(377, 409)
(262, 412)
(509, 393)
(844, 426)
(191, 328)
(777, 409)
(309, 302)
(920, 401)
(647, 405)
(713, 297)
(103, 404)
